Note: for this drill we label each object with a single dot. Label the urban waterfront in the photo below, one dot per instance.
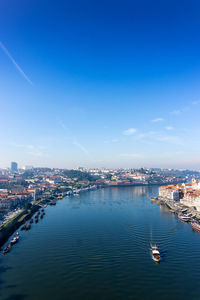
(96, 246)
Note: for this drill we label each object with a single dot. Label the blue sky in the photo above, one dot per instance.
(100, 83)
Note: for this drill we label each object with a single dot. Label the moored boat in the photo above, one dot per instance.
(7, 249)
(196, 226)
(184, 218)
(28, 227)
(23, 227)
(53, 202)
(155, 253)
(15, 239)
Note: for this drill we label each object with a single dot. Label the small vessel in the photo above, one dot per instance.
(15, 239)
(53, 202)
(31, 221)
(196, 226)
(155, 253)
(59, 197)
(7, 249)
(23, 227)
(184, 218)
(28, 227)
(184, 210)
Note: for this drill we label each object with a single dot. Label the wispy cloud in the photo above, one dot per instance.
(169, 128)
(154, 136)
(80, 146)
(73, 138)
(157, 120)
(196, 102)
(14, 63)
(111, 141)
(176, 112)
(36, 153)
(129, 131)
(132, 155)
(30, 149)
(170, 139)
(181, 110)
(22, 146)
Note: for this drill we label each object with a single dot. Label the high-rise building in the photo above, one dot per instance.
(13, 166)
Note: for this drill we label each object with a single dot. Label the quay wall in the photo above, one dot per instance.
(12, 225)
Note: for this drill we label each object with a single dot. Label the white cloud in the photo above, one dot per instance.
(14, 63)
(22, 146)
(73, 138)
(36, 153)
(170, 139)
(169, 128)
(83, 149)
(176, 112)
(196, 102)
(129, 131)
(132, 155)
(111, 141)
(157, 120)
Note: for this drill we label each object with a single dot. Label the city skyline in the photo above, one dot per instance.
(100, 85)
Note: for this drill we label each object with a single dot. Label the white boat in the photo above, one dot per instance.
(15, 239)
(184, 218)
(155, 253)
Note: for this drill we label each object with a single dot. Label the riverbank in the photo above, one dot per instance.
(8, 228)
(136, 184)
(181, 209)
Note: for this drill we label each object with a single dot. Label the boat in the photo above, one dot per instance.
(15, 239)
(7, 249)
(31, 221)
(53, 202)
(184, 210)
(23, 227)
(196, 226)
(155, 253)
(59, 197)
(184, 218)
(28, 227)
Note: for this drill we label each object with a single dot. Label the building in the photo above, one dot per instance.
(14, 166)
(187, 193)
(169, 192)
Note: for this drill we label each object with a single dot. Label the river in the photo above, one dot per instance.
(96, 246)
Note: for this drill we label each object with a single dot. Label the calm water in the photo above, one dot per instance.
(96, 246)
